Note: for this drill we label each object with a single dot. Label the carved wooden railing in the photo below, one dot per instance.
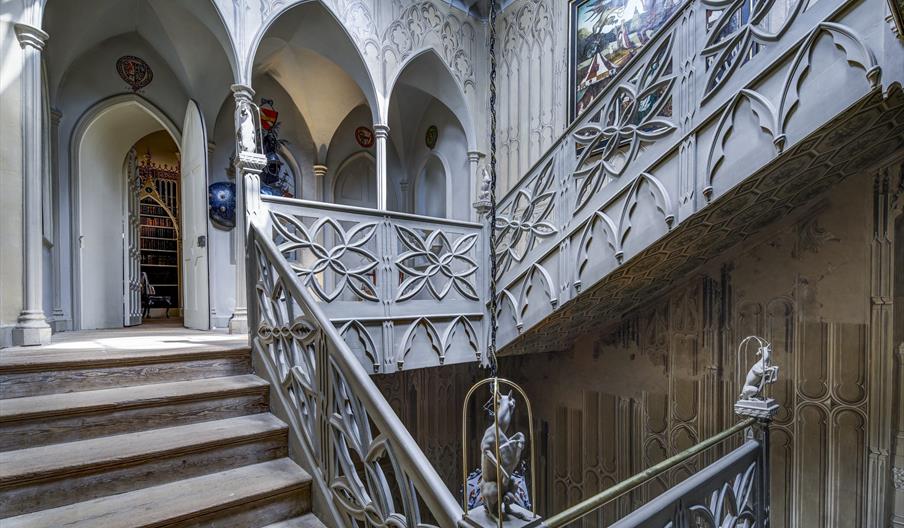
(405, 291)
(716, 95)
(364, 461)
(732, 491)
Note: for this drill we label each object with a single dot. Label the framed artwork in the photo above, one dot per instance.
(897, 13)
(605, 36)
(364, 136)
(431, 136)
(134, 71)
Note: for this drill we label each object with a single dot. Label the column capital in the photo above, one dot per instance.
(55, 116)
(381, 131)
(320, 170)
(475, 155)
(31, 36)
(242, 92)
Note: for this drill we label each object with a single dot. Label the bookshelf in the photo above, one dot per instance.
(160, 238)
(160, 252)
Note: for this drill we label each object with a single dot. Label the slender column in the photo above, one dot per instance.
(407, 202)
(245, 164)
(59, 315)
(381, 132)
(475, 179)
(31, 327)
(319, 175)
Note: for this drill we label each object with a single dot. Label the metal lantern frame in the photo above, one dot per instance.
(495, 383)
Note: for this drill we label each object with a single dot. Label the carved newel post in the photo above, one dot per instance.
(753, 402)
(250, 162)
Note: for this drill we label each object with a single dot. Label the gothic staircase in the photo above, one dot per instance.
(179, 437)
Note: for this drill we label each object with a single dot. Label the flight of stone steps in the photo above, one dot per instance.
(177, 437)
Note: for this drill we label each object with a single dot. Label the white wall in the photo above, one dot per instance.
(430, 189)
(532, 83)
(451, 150)
(11, 278)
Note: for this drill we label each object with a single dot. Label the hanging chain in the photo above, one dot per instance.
(491, 351)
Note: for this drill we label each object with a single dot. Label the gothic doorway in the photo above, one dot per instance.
(138, 215)
(155, 283)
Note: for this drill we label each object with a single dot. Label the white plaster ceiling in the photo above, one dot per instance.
(312, 57)
(189, 35)
(428, 74)
(323, 93)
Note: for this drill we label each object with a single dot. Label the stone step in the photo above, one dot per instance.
(45, 477)
(43, 420)
(39, 371)
(308, 520)
(246, 497)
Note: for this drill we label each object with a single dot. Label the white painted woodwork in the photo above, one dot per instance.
(196, 302)
(131, 252)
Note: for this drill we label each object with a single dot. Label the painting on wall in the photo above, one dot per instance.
(431, 137)
(605, 36)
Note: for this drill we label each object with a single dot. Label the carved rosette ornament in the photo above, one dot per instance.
(752, 402)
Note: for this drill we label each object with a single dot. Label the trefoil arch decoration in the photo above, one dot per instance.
(617, 234)
(440, 344)
(773, 118)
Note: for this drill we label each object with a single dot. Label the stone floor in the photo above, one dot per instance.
(162, 338)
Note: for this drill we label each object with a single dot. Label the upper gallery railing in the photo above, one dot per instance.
(713, 97)
(405, 291)
(363, 459)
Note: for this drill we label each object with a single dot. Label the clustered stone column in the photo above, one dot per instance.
(31, 327)
(319, 177)
(59, 315)
(249, 164)
(381, 133)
